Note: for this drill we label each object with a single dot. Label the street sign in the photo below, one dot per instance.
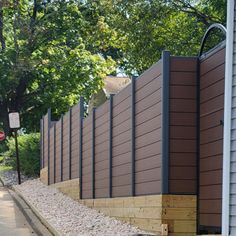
(2, 136)
(14, 120)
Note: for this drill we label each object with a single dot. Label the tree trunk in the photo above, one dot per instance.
(4, 118)
(2, 40)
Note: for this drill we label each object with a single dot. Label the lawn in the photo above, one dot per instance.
(3, 167)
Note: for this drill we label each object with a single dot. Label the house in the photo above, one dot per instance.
(229, 152)
(112, 85)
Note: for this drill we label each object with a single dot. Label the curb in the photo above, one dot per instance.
(31, 218)
(51, 229)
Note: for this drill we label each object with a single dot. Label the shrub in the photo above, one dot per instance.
(3, 147)
(29, 153)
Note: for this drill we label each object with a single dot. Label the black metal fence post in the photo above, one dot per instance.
(93, 153)
(81, 116)
(110, 143)
(165, 120)
(133, 151)
(70, 133)
(49, 126)
(42, 142)
(54, 148)
(61, 148)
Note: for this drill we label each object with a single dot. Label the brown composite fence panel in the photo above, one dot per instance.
(87, 191)
(101, 174)
(148, 131)
(183, 121)
(75, 139)
(66, 144)
(121, 149)
(58, 152)
(212, 70)
(51, 156)
(124, 149)
(45, 138)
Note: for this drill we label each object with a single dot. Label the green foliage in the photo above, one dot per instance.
(46, 62)
(3, 147)
(4, 168)
(53, 52)
(29, 153)
(146, 28)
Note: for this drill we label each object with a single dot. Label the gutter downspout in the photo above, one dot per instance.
(227, 118)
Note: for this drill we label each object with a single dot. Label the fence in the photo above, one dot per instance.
(211, 115)
(162, 134)
(141, 141)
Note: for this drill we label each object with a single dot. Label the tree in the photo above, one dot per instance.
(147, 27)
(44, 61)
(55, 51)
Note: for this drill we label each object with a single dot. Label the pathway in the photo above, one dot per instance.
(12, 221)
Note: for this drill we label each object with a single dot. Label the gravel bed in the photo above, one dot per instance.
(70, 217)
(10, 177)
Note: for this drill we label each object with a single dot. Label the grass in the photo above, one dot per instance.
(5, 168)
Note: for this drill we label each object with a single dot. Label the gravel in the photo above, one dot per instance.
(10, 177)
(69, 217)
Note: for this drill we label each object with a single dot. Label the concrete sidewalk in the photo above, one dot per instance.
(12, 221)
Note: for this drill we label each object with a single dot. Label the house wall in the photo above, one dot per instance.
(232, 196)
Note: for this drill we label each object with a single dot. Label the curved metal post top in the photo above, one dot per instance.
(206, 35)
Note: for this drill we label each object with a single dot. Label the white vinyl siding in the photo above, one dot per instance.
(232, 200)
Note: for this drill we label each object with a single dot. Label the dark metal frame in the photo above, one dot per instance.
(165, 120)
(206, 35)
(81, 116)
(110, 143)
(93, 152)
(70, 135)
(61, 148)
(54, 151)
(42, 145)
(49, 126)
(133, 151)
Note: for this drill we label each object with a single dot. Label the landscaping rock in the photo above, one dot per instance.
(10, 178)
(70, 217)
